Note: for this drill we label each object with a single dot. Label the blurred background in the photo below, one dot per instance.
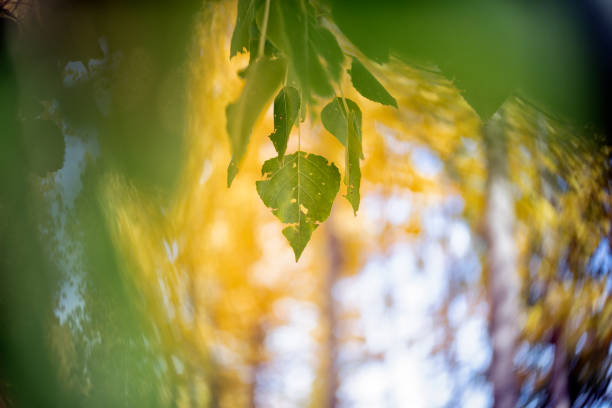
(131, 275)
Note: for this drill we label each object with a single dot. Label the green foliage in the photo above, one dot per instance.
(293, 30)
(335, 119)
(262, 81)
(368, 85)
(347, 129)
(352, 175)
(300, 191)
(241, 38)
(326, 45)
(301, 50)
(286, 108)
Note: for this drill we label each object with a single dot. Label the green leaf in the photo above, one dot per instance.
(368, 85)
(347, 129)
(241, 38)
(262, 81)
(293, 30)
(298, 235)
(325, 43)
(352, 176)
(300, 191)
(253, 45)
(232, 171)
(334, 118)
(286, 108)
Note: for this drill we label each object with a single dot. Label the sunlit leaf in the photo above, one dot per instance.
(300, 191)
(298, 235)
(352, 176)
(286, 108)
(334, 118)
(368, 85)
(262, 81)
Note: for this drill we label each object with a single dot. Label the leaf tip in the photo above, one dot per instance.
(232, 170)
(298, 254)
(297, 244)
(353, 199)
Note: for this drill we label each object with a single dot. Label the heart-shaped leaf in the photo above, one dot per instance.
(300, 190)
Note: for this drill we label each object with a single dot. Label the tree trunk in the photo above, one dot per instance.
(503, 284)
(331, 345)
(257, 339)
(559, 395)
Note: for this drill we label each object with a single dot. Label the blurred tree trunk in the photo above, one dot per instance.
(257, 339)
(502, 281)
(28, 371)
(331, 318)
(559, 394)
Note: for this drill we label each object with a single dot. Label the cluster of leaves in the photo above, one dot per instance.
(295, 57)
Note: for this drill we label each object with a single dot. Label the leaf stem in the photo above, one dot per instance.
(343, 98)
(264, 27)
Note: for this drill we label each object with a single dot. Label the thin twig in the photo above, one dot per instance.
(264, 27)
